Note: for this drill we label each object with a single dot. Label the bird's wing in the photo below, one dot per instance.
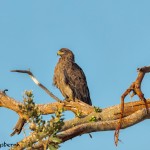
(75, 78)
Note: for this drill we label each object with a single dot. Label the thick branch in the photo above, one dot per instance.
(10, 103)
(107, 119)
(88, 128)
(103, 125)
(110, 113)
(76, 107)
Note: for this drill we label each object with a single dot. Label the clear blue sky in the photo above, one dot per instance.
(110, 39)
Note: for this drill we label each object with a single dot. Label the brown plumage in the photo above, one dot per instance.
(70, 79)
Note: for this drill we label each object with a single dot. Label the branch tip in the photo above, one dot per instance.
(38, 83)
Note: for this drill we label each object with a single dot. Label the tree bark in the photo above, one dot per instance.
(134, 112)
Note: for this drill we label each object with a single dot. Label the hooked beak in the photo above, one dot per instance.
(60, 53)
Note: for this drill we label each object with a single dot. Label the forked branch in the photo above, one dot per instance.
(120, 116)
(107, 119)
(135, 87)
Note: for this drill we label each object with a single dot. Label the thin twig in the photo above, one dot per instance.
(38, 83)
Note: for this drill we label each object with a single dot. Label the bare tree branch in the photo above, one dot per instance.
(18, 127)
(108, 118)
(89, 127)
(38, 83)
(135, 87)
(112, 118)
(10, 103)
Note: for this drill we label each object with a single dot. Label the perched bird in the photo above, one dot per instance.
(69, 78)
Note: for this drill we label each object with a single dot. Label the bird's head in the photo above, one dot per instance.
(66, 54)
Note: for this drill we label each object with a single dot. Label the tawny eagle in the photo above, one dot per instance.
(69, 78)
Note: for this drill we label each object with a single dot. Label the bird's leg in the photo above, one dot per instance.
(67, 99)
(71, 98)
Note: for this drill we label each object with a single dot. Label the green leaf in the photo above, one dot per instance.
(97, 109)
(56, 140)
(51, 147)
